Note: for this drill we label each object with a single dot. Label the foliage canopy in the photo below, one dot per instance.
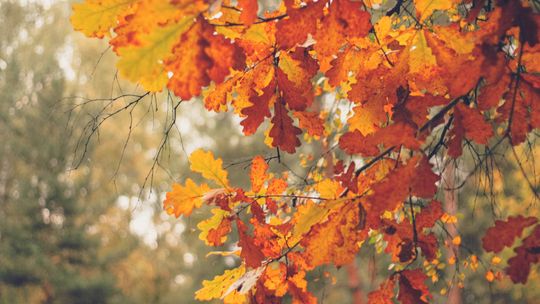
(424, 78)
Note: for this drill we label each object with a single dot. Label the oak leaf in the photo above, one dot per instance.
(183, 199)
(275, 279)
(258, 175)
(199, 57)
(251, 254)
(392, 136)
(503, 233)
(283, 133)
(217, 287)
(429, 215)
(96, 18)
(527, 254)
(143, 63)
(425, 8)
(334, 241)
(210, 168)
(249, 11)
(412, 287)
(215, 229)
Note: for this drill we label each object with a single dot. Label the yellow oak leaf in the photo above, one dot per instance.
(421, 57)
(291, 67)
(145, 16)
(210, 168)
(328, 188)
(217, 287)
(461, 43)
(334, 241)
(309, 215)
(235, 298)
(144, 63)
(244, 284)
(95, 18)
(224, 253)
(365, 119)
(424, 8)
(183, 199)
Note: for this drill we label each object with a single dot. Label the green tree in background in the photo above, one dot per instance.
(46, 254)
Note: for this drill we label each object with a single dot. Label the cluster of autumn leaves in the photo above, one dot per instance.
(468, 68)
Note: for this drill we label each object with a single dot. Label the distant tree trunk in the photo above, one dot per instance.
(354, 283)
(450, 206)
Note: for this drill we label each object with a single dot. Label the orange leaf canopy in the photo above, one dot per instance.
(382, 89)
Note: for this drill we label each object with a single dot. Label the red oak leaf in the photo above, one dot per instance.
(503, 233)
(283, 132)
(250, 253)
(412, 287)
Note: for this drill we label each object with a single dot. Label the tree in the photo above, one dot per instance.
(47, 254)
(386, 95)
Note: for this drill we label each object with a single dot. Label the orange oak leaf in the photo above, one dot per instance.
(300, 23)
(145, 16)
(249, 11)
(183, 199)
(474, 124)
(349, 61)
(334, 241)
(308, 215)
(311, 122)
(275, 278)
(468, 122)
(367, 118)
(294, 78)
(258, 174)
(208, 57)
(383, 295)
(346, 20)
(523, 113)
(503, 233)
(393, 190)
(415, 109)
(297, 286)
(392, 136)
(496, 80)
(268, 238)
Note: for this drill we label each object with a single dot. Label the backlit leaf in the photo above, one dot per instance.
(183, 199)
(210, 168)
(216, 288)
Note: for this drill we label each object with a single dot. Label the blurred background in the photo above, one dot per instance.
(84, 167)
